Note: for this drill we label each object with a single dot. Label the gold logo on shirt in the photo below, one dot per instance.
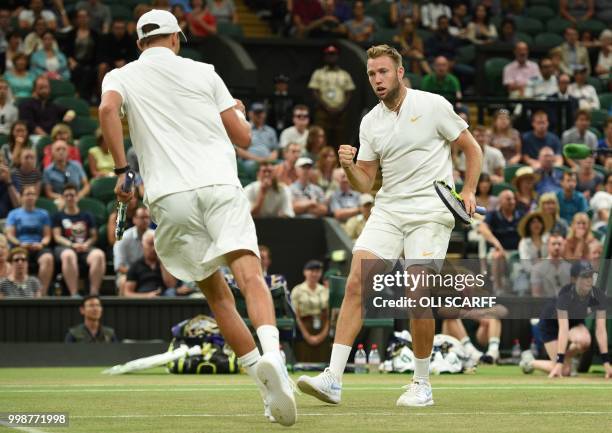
(415, 118)
(429, 253)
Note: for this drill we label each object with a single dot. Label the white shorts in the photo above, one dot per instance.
(418, 236)
(196, 228)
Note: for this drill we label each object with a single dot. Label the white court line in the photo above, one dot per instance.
(21, 428)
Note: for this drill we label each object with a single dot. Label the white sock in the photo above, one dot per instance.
(421, 369)
(493, 345)
(467, 343)
(249, 363)
(339, 358)
(268, 338)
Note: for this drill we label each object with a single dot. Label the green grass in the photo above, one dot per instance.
(495, 399)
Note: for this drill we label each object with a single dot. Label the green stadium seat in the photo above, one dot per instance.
(61, 88)
(605, 100)
(103, 237)
(230, 29)
(83, 126)
(3, 139)
(600, 169)
(598, 118)
(40, 148)
(119, 11)
(95, 207)
(596, 131)
(80, 106)
(510, 171)
(111, 207)
(86, 142)
(594, 26)
(499, 187)
(336, 291)
(557, 25)
(415, 79)
(380, 11)
(529, 25)
(548, 40)
(424, 34)
(385, 35)
(103, 188)
(246, 173)
(524, 37)
(46, 204)
(190, 53)
(494, 69)
(540, 12)
(466, 54)
(596, 83)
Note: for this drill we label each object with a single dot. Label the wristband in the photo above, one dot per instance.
(560, 358)
(121, 170)
(605, 357)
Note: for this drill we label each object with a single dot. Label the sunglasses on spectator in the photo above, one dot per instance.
(301, 116)
(19, 259)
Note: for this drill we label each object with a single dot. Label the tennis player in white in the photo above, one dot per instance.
(183, 122)
(409, 136)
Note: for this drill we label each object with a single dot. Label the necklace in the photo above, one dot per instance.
(396, 108)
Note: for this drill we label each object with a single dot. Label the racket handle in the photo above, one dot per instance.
(129, 181)
(481, 210)
(122, 208)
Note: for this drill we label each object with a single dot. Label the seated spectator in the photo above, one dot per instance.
(128, 250)
(30, 228)
(563, 95)
(411, 47)
(570, 201)
(298, 133)
(101, 162)
(518, 73)
(264, 144)
(179, 12)
(37, 10)
(361, 28)
(576, 11)
(493, 162)
(18, 284)
(355, 224)
(431, 11)
(508, 32)
(442, 43)
(224, 11)
(484, 197)
(14, 46)
(201, 22)
(549, 205)
(556, 58)
(280, 105)
(18, 141)
(147, 277)
(589, 180)
(61, 172)
(548, 276)
(26, 173)
(601, 203)
(33, 41)
(549, 176)
(326, 163)
(344, 202)
(316, 141)
(8, 111)
(580, 133)
(604, 58)
(75, 233)
(20, 79)
(584, 92)
(606, 141)
(573, 55)
(308, 14)
(441, 81)
(538, 138)
(524, 182)
(99, 13)
(91, 330)
(80, 48)
(9, 197)
(480, 30)
(533, 246)
(310, 300)
(285, 171)
(545, 85)
(116, 49)
(505, 138)
(49, 60)
(62, 132)
(308, 198)
(579, 237)
(267, 196)
(39, 112)
(5, 265)
(402, 9)
(459, 21)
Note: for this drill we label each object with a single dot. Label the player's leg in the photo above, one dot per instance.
(96, 262)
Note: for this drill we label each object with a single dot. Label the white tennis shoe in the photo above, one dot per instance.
(325, 386)
(418, 394)
(279, 400)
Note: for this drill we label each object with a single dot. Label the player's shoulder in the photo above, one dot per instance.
(424, 97)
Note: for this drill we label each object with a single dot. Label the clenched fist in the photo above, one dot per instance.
(346, 153)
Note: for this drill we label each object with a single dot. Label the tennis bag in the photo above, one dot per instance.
(216, 356)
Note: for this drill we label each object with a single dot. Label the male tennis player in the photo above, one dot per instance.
(183, 122)
(409, 136)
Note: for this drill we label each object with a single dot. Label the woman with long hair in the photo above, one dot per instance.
(533, 229)
(578, 238)
(412, 47)
(480, 31)
(20, 79)
(484, 197)
(506, 138)
(49, 60)
(315, 142)
(326, 163)
(548, 204)
(18, 139)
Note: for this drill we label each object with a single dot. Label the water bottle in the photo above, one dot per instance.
(360, 360)
(516, 350)
(533, 347)
(374, 359)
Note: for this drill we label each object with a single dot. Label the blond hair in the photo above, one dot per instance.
(385, 50)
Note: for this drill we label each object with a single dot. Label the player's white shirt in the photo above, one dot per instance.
(413, 148)
(173, 106)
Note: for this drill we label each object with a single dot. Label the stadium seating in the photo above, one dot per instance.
(494, 68)
(524, 37)
(529, 25)
(548, 40)
(380, 12)
(83, 126)
(40, 148)
(80, 106)
(46, 204)
(594, 26)
(190, 53)
(540, 12)
(499, 187)
(86, 142)
(510, 171)
(103, 188)
(230, 29)
(415, 80)
(605, 100)
(384, 35)
(598, 118)
(557, 25)
(61, 88)
(95, 207)
(119, 11)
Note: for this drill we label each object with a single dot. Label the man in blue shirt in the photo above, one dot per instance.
(264, 143)
(63, 171)
(534, 141)
(549, 175)
(30, 228)
(570, 201)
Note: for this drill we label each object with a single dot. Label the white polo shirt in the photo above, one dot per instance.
(173, 106)
(413, 148)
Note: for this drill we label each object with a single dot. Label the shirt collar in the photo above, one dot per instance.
(156, 51)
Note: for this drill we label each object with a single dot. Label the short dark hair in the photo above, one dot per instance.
(569, 173)
(582, 112)
(88, 297)
(70, 186)
(538, 113)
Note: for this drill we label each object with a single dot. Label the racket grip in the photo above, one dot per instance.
(481, 210)
(130, 176)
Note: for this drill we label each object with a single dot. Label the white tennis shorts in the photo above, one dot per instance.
(196, 228)
(418, 236)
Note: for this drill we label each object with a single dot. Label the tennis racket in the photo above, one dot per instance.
(122, 208)
(454, 202)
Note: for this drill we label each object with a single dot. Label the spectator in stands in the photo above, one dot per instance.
(330, 24)
(604, 58)
(524, 183)
(493, 162)
(61, 172)
(431, 11)
(62, 132)
(326, 163)
(459, 21)
(310, 300)
(33, 41)
(354, 226)
(480, 30)
(20, 79)
(147, 277)
(39, 112)
(308, 198)
(484, 197)
(99, 13)
(534, 230)
(9, 197)
(128, 250)
(412, 49)
(538, 138)
(441, 81)
(224, 11)
(280, 104)
(548, 276)
(579, 237)
(298, 133)
(344, 202)
(332, 88)
(508, 32)
(80, 47)
(518, 73)
(549, 205)
(8, 111)
(316, 141)
(30, 228)
(91, 330)
(601, 203)
(573, 55)
(570, 201)
(267, 196)
(285, 171)
(505, 138)
(18, 140)
(580, 133)
(26, 173)
(5, 265)
(576, 10)
(75, 233)
(14, 47)
(264, 144)
(201, 22)
(360, 28)
(100, 159)
(49, 60)
(606, 141)
(442, 43)
(179, 12)
(402, 9)
(266, 259)
(308, 14)
(556, 58)
(544, 86)
(589, 180)
(584, 92)
(116, 49)
(37, 10)
(549, 176)
(18, 284)
(563, 95)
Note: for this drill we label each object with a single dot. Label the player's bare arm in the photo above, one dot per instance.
(238, 129)
(473, 164)
(362, 174)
